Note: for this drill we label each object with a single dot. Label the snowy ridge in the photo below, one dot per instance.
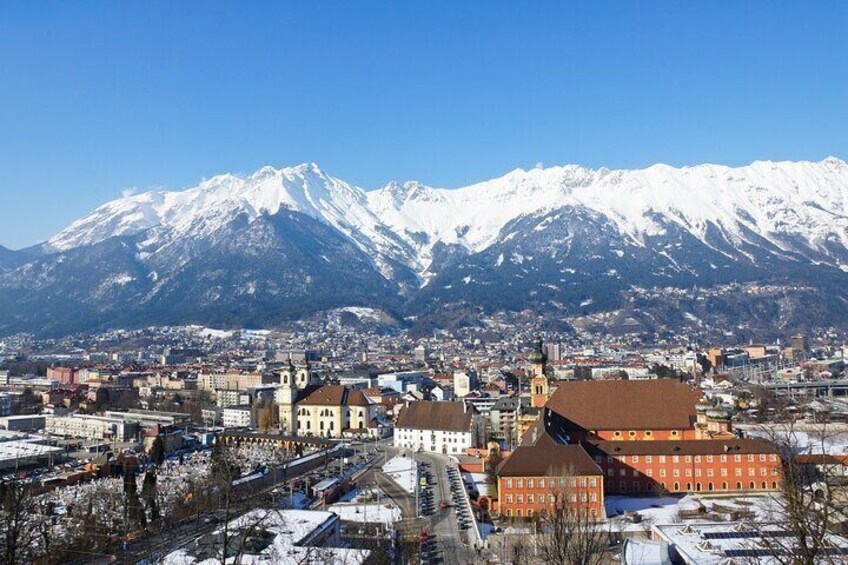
(806, 200)
(202, 210)
(798, 207)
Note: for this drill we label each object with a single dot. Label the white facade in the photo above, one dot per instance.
(90, 427)
(436, 441)
(238, 417)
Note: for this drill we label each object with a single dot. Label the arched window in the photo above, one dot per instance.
(753, 486)
(676, 487)
(724, 486)
(698, 487)
(774, 485)
(738, 486)
(710, 486)
(765, 485)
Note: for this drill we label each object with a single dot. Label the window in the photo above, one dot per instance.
(531, 498)
(697, 459)
(529, 483)
(674, 433)
(519, 498)
(676, 486)
(519, 483)
(723, 458)
(688, 458)
(509, 483)
(649, 459)
(649, 433)
(737, 458)
(662, 458)
(724, 485)
(616, 434)
(762, 458)
(632, 434)
(675, 459)
(635, 458)
(593, 482)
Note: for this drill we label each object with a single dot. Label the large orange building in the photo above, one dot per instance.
(643, 436)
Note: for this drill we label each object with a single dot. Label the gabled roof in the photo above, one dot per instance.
(334, 395)
(548, 459)
(442, 416)
(625, 405)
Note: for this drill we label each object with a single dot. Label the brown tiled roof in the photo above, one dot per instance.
(327, 395)
(683, 447)
(357, 398)
(625, 405)
(548, 460)
(442, 416)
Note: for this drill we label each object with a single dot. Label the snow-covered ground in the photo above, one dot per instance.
(827, 440)
(385, 513)
(665, 510)
(478, 480)
(403, 470)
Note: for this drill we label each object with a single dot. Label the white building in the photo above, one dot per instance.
(91, 427)
(239, 417)
(464, 382)
(438, 427)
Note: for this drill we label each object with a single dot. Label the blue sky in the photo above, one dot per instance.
(96, 97)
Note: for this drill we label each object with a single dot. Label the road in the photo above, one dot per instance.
(449, 544)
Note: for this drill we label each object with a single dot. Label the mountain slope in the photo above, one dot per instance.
(9, 259)
(797, 207)
(243, 274)
(197, 212)
(618, 246)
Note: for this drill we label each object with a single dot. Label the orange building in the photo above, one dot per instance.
(643, 436)
(537, 478)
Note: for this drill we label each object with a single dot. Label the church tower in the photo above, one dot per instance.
(539, 386)
(286, 397)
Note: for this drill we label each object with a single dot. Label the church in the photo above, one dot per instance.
(307, 407)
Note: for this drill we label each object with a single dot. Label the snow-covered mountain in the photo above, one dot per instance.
(796, 206)
(285, 242)
(200, 211)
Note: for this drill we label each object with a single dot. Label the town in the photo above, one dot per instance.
(346, 442)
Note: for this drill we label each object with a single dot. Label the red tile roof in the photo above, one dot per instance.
(625, 405)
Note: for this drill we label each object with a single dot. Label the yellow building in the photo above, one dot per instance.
(308, 408)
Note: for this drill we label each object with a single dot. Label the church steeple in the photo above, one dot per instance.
(538, 357)
(539, 389)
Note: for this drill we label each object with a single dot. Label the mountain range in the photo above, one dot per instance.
(760, 250)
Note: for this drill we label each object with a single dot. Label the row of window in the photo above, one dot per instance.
(531, 498)
(552, 483)
(752, 472)
(519, 513)
(698, 486)
(687, 458)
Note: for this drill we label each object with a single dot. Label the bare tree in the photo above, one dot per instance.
(568, 532)
(797, 522)
(17, 506)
